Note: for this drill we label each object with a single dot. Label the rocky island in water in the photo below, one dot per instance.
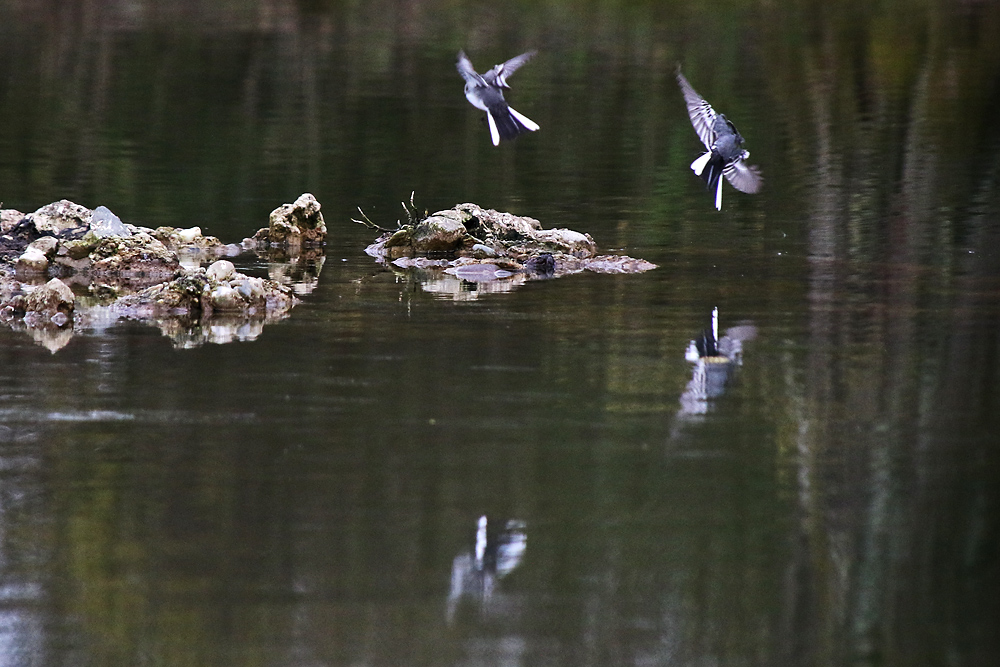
(65, 268)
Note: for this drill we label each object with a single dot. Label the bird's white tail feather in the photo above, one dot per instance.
(718, 197)
(494, 132)
(699, 165)
(527, 122)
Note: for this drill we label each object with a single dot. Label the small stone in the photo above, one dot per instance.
(46, 245)
(481, 251)
(543, 264)
(105, 223)
(439, 232)
(220, 270)
(52, 297)
(225, 297)
(401, 237)
(567, 241)
(251, 289)
(9, 218)
(33, 261)
(77, 249)
(187, 235)
(77, 265)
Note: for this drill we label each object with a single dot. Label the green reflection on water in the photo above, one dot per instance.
(300, 499)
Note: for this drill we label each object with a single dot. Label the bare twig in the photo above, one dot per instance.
(371, 225)
(411, 212)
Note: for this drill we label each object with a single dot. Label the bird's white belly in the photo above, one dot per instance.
(474, 99)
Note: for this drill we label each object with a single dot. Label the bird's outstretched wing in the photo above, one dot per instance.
(743, 177)
(498, 75)
(701, 112)
(464, 67)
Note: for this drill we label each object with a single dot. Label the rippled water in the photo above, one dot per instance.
(312, 496)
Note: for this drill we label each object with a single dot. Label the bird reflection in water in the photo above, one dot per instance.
(714, 360)
(475, 573)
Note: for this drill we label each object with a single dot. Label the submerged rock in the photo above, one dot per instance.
(543, 264)
(608, 264)
(479, 272)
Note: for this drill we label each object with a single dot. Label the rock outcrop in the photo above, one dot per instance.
(488, 246)
(119, 270)
(468, 229)
(297, 224)
(62, 218)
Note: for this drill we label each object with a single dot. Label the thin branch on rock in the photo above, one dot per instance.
(411, 211)
(371, 225)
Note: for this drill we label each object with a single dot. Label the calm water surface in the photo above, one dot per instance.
(312, 497)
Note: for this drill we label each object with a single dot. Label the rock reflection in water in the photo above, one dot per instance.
(465, 279)
(300, 271)
(456, 281)
(715, 359)
(99, 305)
(24, 629)
(475, 573)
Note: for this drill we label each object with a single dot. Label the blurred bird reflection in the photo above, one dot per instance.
(475, 573)
(714, 360)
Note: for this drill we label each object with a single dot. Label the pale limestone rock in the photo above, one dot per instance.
(32, 260)
(62, 217)
(220, 270)
(51, 298)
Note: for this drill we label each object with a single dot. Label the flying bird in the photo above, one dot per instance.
(485, 91)
(725, 155)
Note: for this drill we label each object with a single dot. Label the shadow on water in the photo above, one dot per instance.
(301, 499)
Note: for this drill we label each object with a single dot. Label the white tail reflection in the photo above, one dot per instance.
(474, 574)
(714, 360)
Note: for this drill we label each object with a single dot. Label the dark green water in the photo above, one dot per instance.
(303, 499)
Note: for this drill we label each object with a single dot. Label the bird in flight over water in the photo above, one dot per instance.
(485, 91)
(725, 155)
